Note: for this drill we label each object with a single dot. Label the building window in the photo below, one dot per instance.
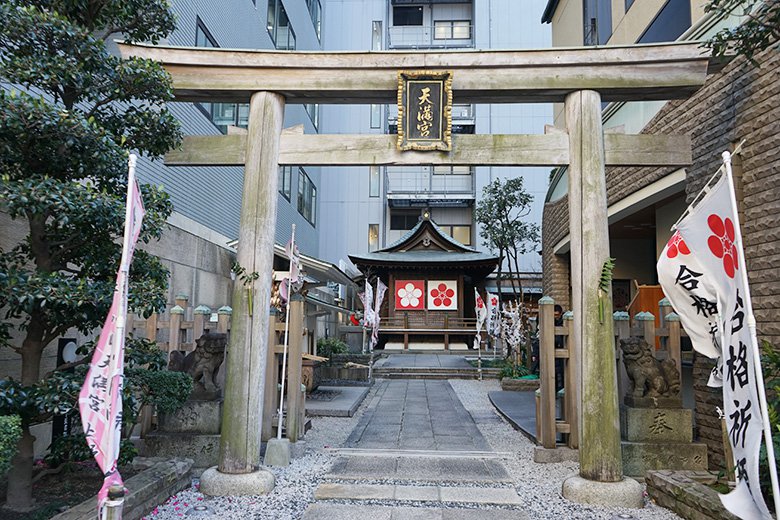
(452, 170)
(373, 181)
(313, 109)
(376, 116)
(203, 37)
(285, 181)
(598, 21)
(315, 11)
(670, 22)
(221, 114)
(452, 30)
(307, 197)
(404, 221)
(373, 237)
(279, 27)
(460, 233)
(407, 16)
(376, 35)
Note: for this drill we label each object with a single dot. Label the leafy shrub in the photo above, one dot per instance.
(770, 365)
(327, 347)
(511, 370)
(10, 433)
(69, 449)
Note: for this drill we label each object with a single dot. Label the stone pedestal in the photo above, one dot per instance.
(190, 432)
(659, 438)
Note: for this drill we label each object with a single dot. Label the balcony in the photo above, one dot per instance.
(427, 186)
(442, 35)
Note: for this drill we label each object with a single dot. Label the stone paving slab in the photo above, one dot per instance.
(457, 494)
(326, 511)
(427, 469)
(416, 414)
(343, 405)
(423, 361)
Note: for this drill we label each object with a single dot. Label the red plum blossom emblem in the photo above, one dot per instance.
(677, 246)
(721, 243)
(442, 295)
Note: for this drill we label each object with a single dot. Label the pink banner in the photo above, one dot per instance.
(100, 398)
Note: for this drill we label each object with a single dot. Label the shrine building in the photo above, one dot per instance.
(431, 279)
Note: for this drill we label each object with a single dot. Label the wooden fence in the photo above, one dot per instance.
(174, 331)
(557, 411)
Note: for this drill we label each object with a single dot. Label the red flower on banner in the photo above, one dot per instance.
(722, 243)
(677, 246)
(442, 296)
(480, 303)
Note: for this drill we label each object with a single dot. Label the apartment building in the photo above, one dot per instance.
(364, 209)
(737, 102)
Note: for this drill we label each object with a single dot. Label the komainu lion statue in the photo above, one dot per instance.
(203, 362)
(649, 377)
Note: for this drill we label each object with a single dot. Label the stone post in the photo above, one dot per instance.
(601, 469)
(223, 318)
(571, 385)
(294, 360)
(239, 454)
(271, 373)
(623, 331)
(199, 322)
(174, 330)
(673, 323)
(547, 372)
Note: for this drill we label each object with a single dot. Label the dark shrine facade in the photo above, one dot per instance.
(431, 279)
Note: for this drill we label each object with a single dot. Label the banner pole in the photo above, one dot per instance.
(751, 320)
(286, 336)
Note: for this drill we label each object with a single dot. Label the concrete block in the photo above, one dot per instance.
(277, 452)
(202, 417)
(202, 449)
(218, 484)
(417, 493)
(656, 424)
(146, 490)
(639, 457)
(334, 491)
(544, 455)
(626, 493)
(491, 496)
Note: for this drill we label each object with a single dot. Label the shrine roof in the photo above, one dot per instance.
(426, 245)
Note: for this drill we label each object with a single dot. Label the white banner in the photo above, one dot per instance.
(700, 274)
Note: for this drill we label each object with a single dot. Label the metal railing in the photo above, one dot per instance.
(422, 182)
(428, 36)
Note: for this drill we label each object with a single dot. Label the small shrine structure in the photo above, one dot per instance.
(431, 279)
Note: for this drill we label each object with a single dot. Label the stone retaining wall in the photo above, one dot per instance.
(686, 493)
(146, 490)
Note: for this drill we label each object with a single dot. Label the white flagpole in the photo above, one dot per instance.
(286, 334)
(751, 321)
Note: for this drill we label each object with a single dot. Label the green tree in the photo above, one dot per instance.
(501, 214)
(69, 113)
(759, 30)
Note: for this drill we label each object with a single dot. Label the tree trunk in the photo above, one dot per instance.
(19, 496)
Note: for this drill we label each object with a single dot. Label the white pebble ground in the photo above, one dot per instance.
(538, 485)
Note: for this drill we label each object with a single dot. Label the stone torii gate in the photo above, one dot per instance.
(580, 78)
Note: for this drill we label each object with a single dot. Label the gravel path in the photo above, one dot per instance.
(539, 485)
(295, 484)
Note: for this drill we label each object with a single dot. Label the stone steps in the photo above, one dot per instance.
(409, 484)
(328, 511)
(445, 495)
(435, 373)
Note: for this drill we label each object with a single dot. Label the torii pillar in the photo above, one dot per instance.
(239, 471)
(601, 479)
